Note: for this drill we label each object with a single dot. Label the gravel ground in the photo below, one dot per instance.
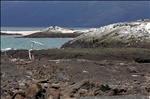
(70, 78)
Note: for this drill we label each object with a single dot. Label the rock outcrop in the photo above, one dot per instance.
(58, 32)
(125, 34)
(58, 29)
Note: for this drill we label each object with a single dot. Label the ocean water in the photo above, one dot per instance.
(10, 41)
(25, 43)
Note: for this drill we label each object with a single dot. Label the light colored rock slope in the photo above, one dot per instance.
(57, 29)
(125, 34)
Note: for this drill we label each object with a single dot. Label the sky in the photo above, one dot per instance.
(71, 13)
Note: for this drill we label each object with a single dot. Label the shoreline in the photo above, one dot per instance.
(20, 32)
(40, 34)
(124, 54)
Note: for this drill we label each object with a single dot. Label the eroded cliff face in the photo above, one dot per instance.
(126, 34)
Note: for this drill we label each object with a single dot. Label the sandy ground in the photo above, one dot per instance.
(20, 32)
(40, 34)
(73, 76)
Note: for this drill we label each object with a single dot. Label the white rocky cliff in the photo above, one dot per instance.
(57, 29)
(125, 34)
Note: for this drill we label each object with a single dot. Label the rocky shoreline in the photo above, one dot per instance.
(75, 73)
(50, 32)
(51, 35)
(125, 34)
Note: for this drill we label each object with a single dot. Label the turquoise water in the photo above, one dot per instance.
(10, 41)
(25, 43)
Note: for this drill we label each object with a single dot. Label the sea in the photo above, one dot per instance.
(12, 42)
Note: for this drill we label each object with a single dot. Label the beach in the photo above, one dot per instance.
(20, 32)
(50, 32)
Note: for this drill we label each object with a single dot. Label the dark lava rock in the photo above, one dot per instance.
(51, 35)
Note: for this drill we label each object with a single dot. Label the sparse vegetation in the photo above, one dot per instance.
(129, 54)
